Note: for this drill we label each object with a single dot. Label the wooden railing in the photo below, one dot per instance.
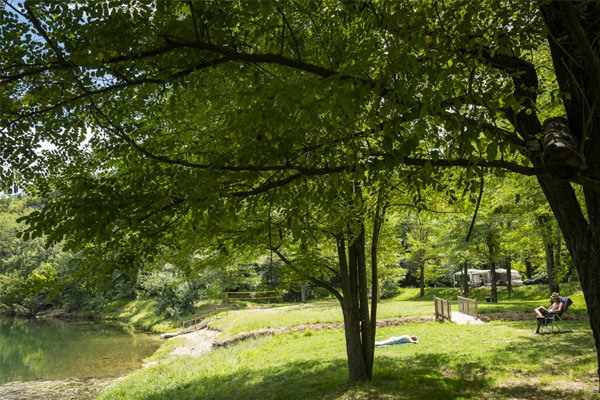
(468, 306)
(442, 309)
(262, 295)
(196, 320)
(192, 322)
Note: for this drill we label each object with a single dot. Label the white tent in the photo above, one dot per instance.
(480, 277)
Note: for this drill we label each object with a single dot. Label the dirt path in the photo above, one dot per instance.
(204, 340)
(197, 343)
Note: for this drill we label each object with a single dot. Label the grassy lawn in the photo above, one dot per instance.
(407, 303)
(498, 360)
(249, 316)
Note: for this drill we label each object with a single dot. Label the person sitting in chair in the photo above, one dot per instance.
(397, 340)
(556, 306)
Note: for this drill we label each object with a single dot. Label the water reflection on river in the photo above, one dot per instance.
(52, 350)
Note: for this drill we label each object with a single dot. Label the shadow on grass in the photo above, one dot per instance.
(551, 351)
(328, 380)
(426, 376)
(510, 372)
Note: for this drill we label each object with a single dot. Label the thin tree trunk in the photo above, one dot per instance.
(303, 292)
(363, 305)
(545, 224)
(509, 275)
(422, 277)
(378, 220)
(490, 245)
(465, 268)
(528, 268)
(494, 287)
(557, 255)
(552, 284)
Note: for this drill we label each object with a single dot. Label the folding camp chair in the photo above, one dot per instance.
(551, 322)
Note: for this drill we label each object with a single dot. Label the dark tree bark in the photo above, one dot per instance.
(552, 284)
(494, 287)
(545, 221)
(557, 255)
(528, 268)
(422, 274)
(359, 324)
(573, 30)
(570, 270)
(356, 363)
(490, 244)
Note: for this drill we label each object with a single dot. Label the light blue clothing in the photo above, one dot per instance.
(396, 340)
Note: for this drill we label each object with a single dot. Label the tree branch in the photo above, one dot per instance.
(581, 41)
(476, 210)
(316, 281)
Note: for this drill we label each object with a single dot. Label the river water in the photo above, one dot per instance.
(42, 350)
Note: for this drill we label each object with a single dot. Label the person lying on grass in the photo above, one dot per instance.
(556, 307)
(397, 340)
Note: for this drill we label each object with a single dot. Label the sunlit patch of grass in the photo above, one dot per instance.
(495, 360)
(408, 303)
(247, 316)
(163, 352)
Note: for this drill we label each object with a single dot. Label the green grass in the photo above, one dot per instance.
(163, 352)
(495, 360)
(144, 315)
(407, 303)
(245, 316)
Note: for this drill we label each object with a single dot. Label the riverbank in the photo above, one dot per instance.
(66, 389)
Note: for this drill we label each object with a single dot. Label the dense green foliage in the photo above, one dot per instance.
(220, 133)
(32, 276)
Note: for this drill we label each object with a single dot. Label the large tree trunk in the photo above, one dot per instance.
(570, 270)
(583, 243)
(359, 325)
(357, 369)
(573, 31)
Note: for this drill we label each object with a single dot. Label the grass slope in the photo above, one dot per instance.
(495, 360)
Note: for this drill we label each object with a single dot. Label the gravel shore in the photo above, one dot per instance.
(67, 389)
